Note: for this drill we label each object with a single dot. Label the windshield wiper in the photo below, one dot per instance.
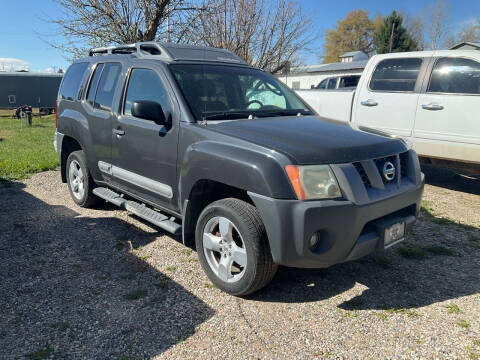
(226, 115)
(283, 112)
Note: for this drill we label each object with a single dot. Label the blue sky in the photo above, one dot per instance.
(25, 31)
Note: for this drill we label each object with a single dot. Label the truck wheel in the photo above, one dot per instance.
(80, 182)
(232, 247)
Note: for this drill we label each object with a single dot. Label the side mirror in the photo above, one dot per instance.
(149, 110)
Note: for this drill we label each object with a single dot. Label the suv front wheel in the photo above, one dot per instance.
(232, 247)
(80, 182)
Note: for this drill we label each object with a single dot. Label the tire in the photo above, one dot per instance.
(80, 184)
(234, 232)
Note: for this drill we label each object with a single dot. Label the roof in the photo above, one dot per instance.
(351, 53)
(170, 52)
(29, 74)
(467, 43)
(339, 66)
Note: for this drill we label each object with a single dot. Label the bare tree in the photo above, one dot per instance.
(415, 28)
(268, 34)
(437, 23)
(90, 23)
(470, 32)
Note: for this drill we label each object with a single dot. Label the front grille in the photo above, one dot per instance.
(363, 174)
(400, 160)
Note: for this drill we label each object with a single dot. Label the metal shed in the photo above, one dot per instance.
(24, 88)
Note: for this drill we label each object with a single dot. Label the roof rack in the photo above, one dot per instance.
(139, 49)
(170, 52)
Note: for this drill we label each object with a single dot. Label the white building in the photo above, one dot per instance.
(308, 76)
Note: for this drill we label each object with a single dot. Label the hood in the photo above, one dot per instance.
(311, 140)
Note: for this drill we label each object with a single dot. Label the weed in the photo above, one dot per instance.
(171, 268)
(473, 238)
(476, 342)
(380, 315)
(162, 283)
(453, 309)
(412, 252)
(439, 250)
(209, 286)
(409, 313)
(463, 323)
(135, 295)
(40, 354)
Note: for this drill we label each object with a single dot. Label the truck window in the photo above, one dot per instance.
(145, 84)
(399, 75)
(332, 83)
(92, 88)
(106, 86)
(323, 84)
(349, 81)
(71, 81)
(455, 75)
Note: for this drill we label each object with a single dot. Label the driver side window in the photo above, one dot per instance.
(145, 84)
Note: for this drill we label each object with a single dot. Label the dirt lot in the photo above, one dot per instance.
(72, 287)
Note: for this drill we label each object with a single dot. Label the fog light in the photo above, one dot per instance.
(314, 240)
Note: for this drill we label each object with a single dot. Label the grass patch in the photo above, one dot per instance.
(40, 354)
(403, 311)
(25, 150)
(439, 250)
(135, 295)
(162, 283)
(171, 268)
(463, 323)
(412, 252)
(453, 309)
(476, 342)
(381, 315)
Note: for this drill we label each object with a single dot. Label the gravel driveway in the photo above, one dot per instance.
(100, 284)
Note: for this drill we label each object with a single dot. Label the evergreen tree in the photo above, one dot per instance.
(392, 36)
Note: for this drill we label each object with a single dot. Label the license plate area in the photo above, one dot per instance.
(393, 234)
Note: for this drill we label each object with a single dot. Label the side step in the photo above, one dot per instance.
(141, 210)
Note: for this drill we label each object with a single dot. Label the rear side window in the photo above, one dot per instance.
(145, 84)
(323, 84)
(104, 90)
(455, 75)
(332, 83)
(93, 84)
(396, 75)
(349, 81)
(71, 81)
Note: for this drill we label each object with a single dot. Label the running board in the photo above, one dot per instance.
(141, 210)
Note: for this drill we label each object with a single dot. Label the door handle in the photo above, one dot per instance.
(118, 132)
(432, 106)
(369, 102)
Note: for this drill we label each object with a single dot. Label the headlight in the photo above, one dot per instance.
(313, 182)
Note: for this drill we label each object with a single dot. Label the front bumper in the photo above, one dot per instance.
(347, 230)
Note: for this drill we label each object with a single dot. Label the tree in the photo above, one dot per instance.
(268, 34)
(354, 32)
(92, 23)
(393, 37)
(437, 23)
(470, 32)
(415, 28)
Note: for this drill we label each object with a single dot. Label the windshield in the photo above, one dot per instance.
(229, 92)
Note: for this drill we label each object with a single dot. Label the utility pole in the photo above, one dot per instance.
(391, 36)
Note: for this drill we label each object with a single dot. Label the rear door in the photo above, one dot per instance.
(144, 154)
(388, 100)
(98, 109)
(447, 112)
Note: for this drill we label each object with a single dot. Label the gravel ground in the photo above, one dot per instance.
(100, 284)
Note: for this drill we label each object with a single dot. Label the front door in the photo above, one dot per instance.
(388, 101)
(447, 124)
(144, 154)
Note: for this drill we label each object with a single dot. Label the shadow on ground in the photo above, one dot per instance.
(430, 267)
(71, 288)
(445, 178)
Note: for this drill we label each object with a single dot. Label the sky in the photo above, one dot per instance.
(25, 31)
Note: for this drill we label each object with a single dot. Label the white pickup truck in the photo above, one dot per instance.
(431, 98)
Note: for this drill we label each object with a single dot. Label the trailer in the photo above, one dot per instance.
(37, 90)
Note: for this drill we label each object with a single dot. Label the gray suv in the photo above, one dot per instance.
(200, 144)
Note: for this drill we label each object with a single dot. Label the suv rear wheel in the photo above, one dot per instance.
(233, 248)
(80, 182)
